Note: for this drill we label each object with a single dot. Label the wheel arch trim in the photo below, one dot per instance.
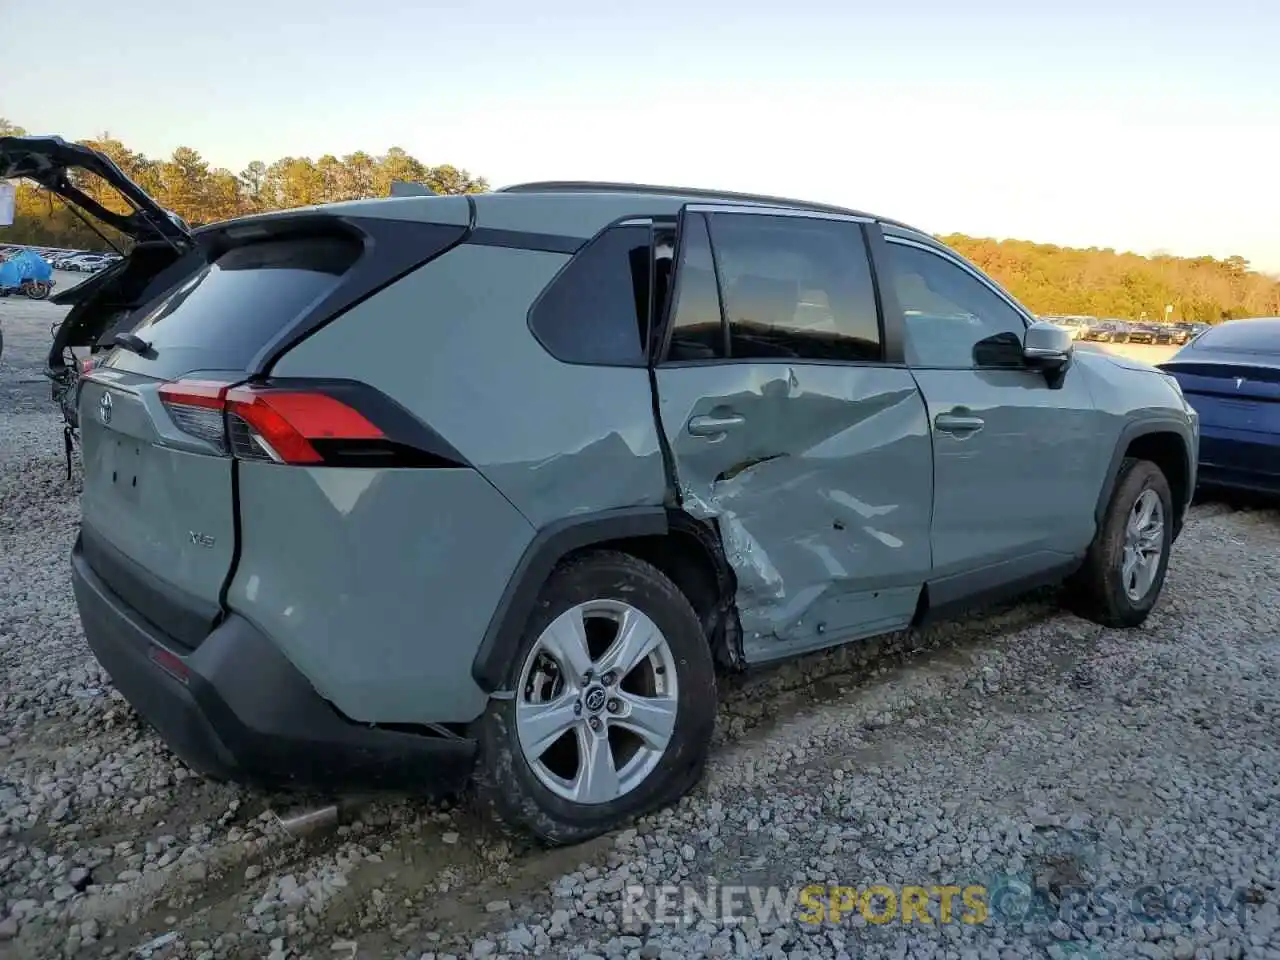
(1128, 434)
(549, 546)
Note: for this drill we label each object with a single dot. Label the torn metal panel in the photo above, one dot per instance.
(821, 485)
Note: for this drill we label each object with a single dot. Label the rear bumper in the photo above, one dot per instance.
(236, 709)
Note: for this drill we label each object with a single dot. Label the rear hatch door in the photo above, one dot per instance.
(158, 509)
(158, 514)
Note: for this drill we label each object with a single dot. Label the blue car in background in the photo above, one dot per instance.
(25, 272)
(1231, 375)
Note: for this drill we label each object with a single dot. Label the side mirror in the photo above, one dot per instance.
(1049, 348)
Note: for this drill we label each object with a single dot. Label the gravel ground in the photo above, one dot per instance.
(1023, 750)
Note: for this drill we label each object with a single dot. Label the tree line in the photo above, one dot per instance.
(1057, 281)
(189, 186)
(1050, 280)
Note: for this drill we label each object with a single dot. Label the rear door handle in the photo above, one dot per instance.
(715, 426)
(958, 423)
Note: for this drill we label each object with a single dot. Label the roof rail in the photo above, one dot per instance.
(693, 193)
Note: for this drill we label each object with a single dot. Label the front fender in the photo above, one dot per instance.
(1185, 429)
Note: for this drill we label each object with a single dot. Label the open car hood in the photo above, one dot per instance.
(48, 161)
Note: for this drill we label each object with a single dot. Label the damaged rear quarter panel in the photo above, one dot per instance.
(823, 497)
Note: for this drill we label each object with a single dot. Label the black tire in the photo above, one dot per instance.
(1097, 592)
(504, 781)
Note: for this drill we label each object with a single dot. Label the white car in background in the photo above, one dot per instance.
(1077, 325)
(87, 263)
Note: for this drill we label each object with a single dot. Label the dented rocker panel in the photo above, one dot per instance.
(822, 497)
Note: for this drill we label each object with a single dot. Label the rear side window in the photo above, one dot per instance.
(795, 287)
(697, 331)
(787, 287)
(596, 310)
(220, 316)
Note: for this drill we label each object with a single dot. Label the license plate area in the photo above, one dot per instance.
(120, 476)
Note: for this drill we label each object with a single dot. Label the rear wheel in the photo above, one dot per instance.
(613, 703)
(1125, 568)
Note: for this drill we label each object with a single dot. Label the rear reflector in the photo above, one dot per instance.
(264, 423)
(170, 663)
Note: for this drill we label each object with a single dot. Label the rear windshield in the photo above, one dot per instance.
(219, 317)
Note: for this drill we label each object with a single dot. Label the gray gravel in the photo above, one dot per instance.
(1023, 749)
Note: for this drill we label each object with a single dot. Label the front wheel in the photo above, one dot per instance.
(1125, 567)
(612, 707)
(36, 290)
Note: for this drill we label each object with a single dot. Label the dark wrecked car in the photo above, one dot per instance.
(159, 239)
(413, 491)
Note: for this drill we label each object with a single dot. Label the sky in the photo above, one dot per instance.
(1132, 124)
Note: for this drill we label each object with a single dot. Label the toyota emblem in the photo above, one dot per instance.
(595, 699)
(104, 408)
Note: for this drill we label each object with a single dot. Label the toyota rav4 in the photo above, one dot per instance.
(416, 491)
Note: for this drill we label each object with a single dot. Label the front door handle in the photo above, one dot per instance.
(715, 426)
(958, 423)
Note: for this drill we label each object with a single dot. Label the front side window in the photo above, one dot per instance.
(948, 312)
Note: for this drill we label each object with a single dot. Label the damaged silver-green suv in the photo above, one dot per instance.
(414, 491)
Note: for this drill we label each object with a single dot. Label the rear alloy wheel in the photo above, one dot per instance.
(1125, 568)
(611, 708)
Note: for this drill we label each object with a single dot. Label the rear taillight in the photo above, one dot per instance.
(281, 425)
(266, 423)
(86, 365)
